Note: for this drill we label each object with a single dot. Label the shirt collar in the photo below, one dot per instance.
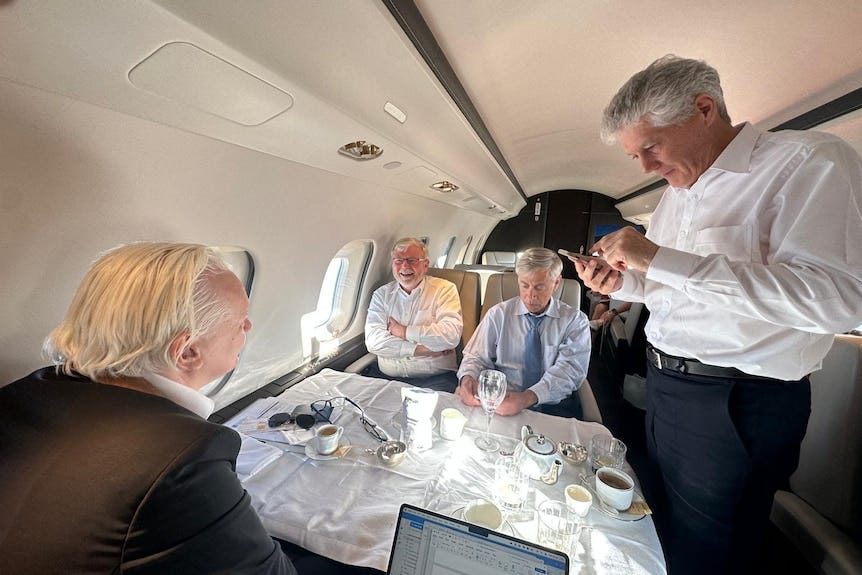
(416, 291)
(184, 396)
(736, 157)
(552, 311)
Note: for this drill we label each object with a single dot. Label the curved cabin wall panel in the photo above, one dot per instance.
(79, 179)
(339, 63)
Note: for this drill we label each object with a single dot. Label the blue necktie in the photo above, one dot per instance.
(533, 353)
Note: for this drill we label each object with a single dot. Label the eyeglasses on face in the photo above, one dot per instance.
(411, 261)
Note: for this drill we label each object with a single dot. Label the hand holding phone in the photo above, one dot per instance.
(582, 257)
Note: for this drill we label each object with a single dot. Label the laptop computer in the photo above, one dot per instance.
(427, 543)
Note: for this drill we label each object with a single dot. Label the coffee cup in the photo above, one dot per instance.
(451, 423)
(578, 499)
(615, 487)
(327, 437)
(483, 513)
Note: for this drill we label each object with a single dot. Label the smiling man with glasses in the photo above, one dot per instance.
(414, 323)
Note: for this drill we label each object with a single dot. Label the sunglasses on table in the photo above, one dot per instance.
(321, 411)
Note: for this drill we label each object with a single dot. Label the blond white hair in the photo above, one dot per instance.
(132, 303)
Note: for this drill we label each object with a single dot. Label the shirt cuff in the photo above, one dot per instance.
(672, 267)
(412, 333)
(542, 392)
(408, 348)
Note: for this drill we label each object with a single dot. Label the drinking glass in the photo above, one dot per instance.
(606, 451)
(492, 390)
(511, 484)
(558, 526)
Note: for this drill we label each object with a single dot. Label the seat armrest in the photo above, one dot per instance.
(360, 364)
(827, 548)
(589, 406)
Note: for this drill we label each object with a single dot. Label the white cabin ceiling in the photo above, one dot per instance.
(539, 74)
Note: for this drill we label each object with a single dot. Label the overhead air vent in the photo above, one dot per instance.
(444, 187)
(361, 150)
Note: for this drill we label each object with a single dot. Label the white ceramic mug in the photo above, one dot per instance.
(327, 437)
(578, 499)
(451, 423)
(615, 487)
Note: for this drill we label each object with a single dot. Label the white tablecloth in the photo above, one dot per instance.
(346, 508)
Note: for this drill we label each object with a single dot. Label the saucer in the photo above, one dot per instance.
(505, 528)
(624, 515)
(311, 451)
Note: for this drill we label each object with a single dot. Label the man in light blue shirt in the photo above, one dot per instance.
(539, 342)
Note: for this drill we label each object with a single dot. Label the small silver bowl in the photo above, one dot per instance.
(573, 452)
(391, 453)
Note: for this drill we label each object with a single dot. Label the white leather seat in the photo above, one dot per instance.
(504, 286)
(822, 513)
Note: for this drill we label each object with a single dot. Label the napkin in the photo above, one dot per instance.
(253, 456)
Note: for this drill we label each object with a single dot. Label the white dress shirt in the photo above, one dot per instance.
(184, 396)
(761, 259)
(432, 314)
(499, 344)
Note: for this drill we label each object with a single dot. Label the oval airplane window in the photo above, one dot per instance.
(337, 302)
(444, 256)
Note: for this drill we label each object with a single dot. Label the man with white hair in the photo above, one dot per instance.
(414, 323)
(539, 342)
(108, 462)
(751, 263)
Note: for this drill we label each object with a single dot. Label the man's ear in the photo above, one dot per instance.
(185, 353)
(706, 108)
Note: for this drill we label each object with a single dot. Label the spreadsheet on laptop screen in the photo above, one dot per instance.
(430, 544)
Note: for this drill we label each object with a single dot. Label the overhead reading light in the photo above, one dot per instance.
(444, 187)
(360, 150)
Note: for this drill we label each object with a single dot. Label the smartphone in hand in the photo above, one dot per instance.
(582, 257)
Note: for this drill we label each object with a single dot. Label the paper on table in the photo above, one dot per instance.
(254, 456)
(252, 421)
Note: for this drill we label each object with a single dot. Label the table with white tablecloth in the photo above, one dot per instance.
(346, 508)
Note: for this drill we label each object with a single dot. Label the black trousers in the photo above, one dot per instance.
(722, 448)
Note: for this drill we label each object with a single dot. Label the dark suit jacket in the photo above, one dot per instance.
(101, 479)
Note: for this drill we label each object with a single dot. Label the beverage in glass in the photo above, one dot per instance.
(606, 451)
(492, 390)
(511, 484)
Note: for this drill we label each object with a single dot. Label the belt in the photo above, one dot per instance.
(688, 366)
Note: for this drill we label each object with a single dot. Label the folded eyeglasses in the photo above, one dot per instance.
(323, 408)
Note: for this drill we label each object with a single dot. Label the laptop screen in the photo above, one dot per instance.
(427, 543)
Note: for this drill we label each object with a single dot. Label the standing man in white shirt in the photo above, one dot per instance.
(414, 323)
(547, 379)
(751, 263)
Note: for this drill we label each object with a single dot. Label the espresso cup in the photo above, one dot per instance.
(327, 437)
(578, 499)
(615, 487)
(451, 423)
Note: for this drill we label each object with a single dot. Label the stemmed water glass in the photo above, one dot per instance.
(492, 390)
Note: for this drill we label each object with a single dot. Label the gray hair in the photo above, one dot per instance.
(405, 243)
(132, 303)
(536, 259)
(663, 94)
